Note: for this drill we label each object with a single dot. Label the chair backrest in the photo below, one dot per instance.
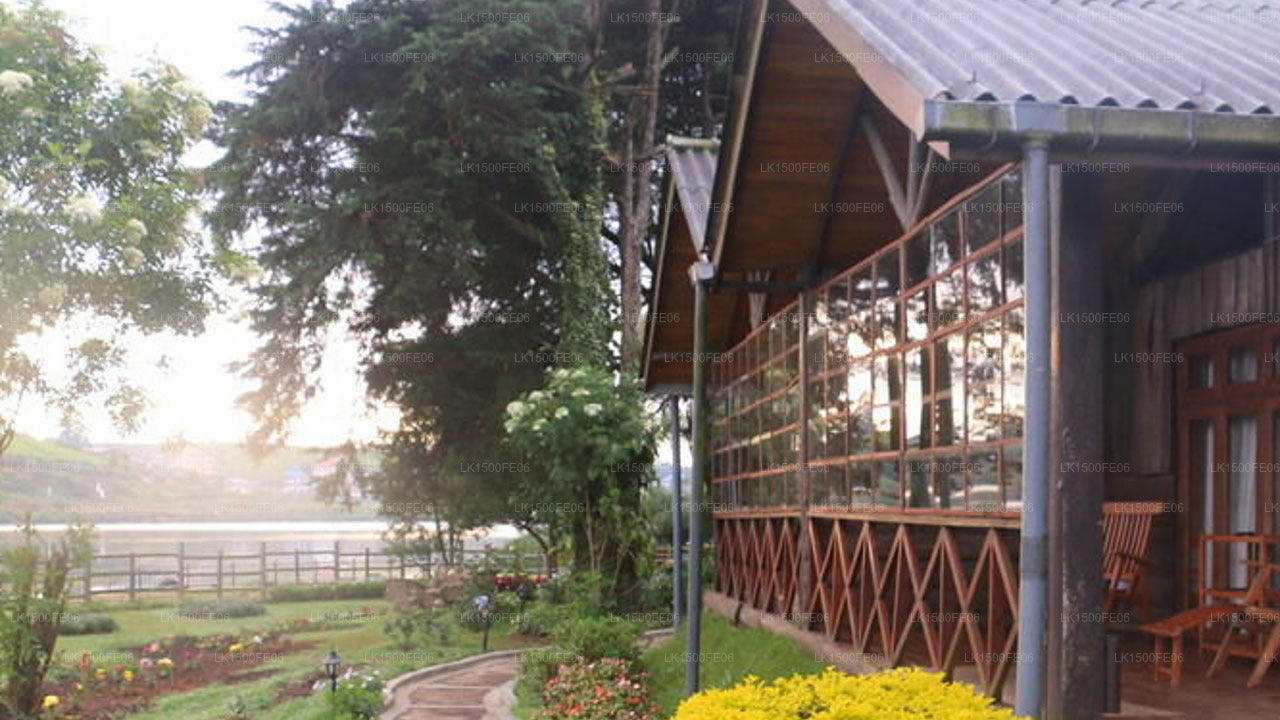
(1126, 534)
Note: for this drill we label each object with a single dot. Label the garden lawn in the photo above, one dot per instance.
(728, 655)
(360, 641)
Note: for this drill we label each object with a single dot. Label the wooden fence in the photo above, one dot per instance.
(181, 572)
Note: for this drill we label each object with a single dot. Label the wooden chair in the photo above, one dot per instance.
(1253, 614)
(1173, 628)
(1126, 539)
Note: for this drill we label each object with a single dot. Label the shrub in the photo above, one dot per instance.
(902, 694)
(422, 627)
(358, 697)
(603, 690)
(597, 638)
(218, 609)
(541, 619)
(338, 591)
(87, 625)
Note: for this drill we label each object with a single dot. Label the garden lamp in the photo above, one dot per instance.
(331, 665)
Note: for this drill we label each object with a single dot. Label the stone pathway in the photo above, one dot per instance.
(480, 690)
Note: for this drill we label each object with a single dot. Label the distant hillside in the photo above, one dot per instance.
(171, 482)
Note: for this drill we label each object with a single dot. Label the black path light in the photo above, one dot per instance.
(331, 666)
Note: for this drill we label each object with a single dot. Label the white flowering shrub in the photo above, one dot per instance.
(591, 444)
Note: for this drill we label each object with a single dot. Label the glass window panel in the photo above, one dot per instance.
(837, 437)
(984, 483)
(948, 297)
(917, 405)
(918, 315)
(816, 353)
(888, 281)
(888, 317)
(1242, 364)
(1015, 365)
(888, 490)
(1200, 372)
(819, 312)
(886, 422)
(918, 472)
(861, 315)
(888, 380)
(777, 336)
(983, 398)
(792, 325)
(949, 482)
(985, 290)
(982, 218)
(1011, 200)
(946, 241)
(859, 392)
(948, 354)
(838, 301)
(1011, 477)
(837, 392)
(918, 259)
(861, 485)
(817, 420)
(1012, 266)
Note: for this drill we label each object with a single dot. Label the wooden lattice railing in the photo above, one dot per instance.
(875, 584)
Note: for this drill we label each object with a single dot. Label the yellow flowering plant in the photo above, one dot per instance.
(900, 694)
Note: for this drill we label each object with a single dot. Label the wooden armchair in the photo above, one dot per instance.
(1126, 539)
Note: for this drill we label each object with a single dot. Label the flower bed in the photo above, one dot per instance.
(608, 689)
(901, 694)
(173, 664)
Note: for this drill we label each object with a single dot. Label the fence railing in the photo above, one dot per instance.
(181, 572)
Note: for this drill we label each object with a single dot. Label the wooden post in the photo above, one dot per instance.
(182, 570)
(337, 562)
(297, 567)
(262, 569)
(1077, 452)
(133, 577)
(804, 574)
(219, 574)
(367, 576)
(402, 563)
(275, 572)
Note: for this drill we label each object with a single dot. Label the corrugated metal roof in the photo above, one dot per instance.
(1206, 56)
(693, 170)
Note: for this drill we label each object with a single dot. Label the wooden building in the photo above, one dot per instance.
(972, 269)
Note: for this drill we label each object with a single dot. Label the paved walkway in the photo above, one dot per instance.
(480, 690)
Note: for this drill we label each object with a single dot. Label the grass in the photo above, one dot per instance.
(728, 655)
(359, 642)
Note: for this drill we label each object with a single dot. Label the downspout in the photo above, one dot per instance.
(1037, 269)
(701, 274)
(677, 517)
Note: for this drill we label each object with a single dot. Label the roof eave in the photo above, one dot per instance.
(1104, 130)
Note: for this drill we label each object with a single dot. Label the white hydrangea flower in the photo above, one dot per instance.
(83, 209)
(562, 413)
(52, 296)
(592, 409)
(536, 396)
(134, 231)
(515, 408)
(539, 425)
(581, 392)
(13, 82)
(132, 257)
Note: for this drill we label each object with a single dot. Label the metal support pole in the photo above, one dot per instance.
(677, 516)
(1032, 591)
(700, 273)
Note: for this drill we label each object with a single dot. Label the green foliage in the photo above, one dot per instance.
(412, 629)
(541, 619)
(87, 625)
(335, 591)
(595, 638)
(32, 604)
(358, 697)
(593, 444)
(220, 609)
(95, 203)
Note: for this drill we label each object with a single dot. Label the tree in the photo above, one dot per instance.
(94, 214)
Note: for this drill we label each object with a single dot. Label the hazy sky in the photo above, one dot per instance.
(195, 396)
